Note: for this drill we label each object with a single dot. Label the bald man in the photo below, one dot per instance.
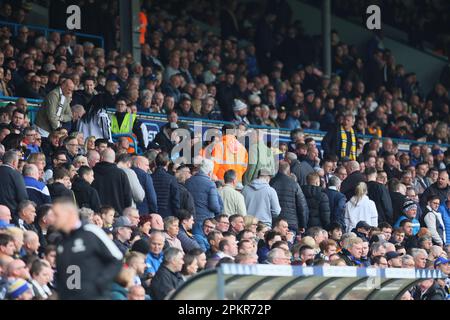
(5, 214)
(112, 183)
(87, 259)
(17, 269)
(141, 167)
(55, 111)
(31, 243)
(136, 293)
(354, 177)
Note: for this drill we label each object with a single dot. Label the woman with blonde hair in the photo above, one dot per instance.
(251, 223)
(360, 208)
(89, 143)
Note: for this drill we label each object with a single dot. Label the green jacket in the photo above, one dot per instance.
(47, 117)
(259, 157)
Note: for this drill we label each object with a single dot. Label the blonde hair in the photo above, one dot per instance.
(248, 221)
(15, 232)
(308, 241)
(350, 242)
(360, 192)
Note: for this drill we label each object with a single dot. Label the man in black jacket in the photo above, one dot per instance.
(87, 260)
(166, 187)
(61, 186)
(332, 143)
(440, 188)
(379, 194)
(168, 278)
(12, 188)
(186, 200)
(85, 194)
(337, 201)
(111, 182)
(298, 169)
(318, 203)
(398, 198)
(291, 198)
(354, 177)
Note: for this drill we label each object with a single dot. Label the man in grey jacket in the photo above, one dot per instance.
(55, 111)
(261, 199)
(138, 193)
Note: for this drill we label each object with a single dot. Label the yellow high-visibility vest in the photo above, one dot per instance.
(127, 124)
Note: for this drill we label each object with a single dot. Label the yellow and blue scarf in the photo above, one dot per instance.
(352, 155)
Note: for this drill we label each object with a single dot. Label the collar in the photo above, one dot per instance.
(333, 188)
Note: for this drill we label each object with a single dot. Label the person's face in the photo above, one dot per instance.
(66, 182)
(140, 266)
(102, 147)
(307, 254)
(356, 250)
(395, 262)
(434, 204)
(399, 237)
(443, 179)
(68, 88)
(246, 248)
(336, 234)
(18, 119)
(178, 262)
(422, 170)
(427, 244)
(193, 267)
(137, 294)
(201, 261)
(72, 146)
(156, 244)
(134, 218)
(331, 250)
(208, 227)
(420, 261)
(233, 247)
(51, 258)
(9, 249)
(121, 106)
(365, 249)
(173, 229)
(342, 174)
(223, 224)
(238, 224)
(347, 122)
(125, 233)
(34, 244)
(387, 233)
(189, 223)
(29, 214)
(108, 217)
(383, 263)
(380, 252)
(22, 271)
(45, 276)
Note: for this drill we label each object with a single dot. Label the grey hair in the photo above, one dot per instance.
(407, 257)
(207, 166)
(334, 181)
(170, 254)
(416, 251)
(291, 156)
(85, 213)
(275, 253)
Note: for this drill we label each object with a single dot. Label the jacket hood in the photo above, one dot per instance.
(311, 191)
(231, 143)
(104, 168)
(258, 184)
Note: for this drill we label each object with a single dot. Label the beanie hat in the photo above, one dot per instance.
(141, 246)
(17, 287)
(409, 205)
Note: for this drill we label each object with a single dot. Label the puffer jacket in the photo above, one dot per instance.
(206, 198)
(294, 207)
(168, 195)
(319, 206)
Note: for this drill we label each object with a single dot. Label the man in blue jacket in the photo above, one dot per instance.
(202, 238)
(141, 167)
(337, 201)
(206, 198)
(37, 190)
(166, 187)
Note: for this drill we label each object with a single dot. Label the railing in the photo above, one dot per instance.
(16, 26)
(317, 134)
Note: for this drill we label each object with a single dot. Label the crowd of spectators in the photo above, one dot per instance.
(139, 225)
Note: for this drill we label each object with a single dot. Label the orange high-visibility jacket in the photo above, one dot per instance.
(228, 154)
(143, 29)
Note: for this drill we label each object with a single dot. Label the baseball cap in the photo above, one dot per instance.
(363, 224)
(122, 222)
(392, 255)
(264, 172)
(308, 92)
(440, 261)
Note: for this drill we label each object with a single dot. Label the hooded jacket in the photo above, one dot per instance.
(319, 206)
(112, 186)
(86, 195)
(364, 210)
(260, 156)
(261, 201)
(167, 193)
(229, 154)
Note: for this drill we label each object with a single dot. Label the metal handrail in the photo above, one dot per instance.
(17, 26)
